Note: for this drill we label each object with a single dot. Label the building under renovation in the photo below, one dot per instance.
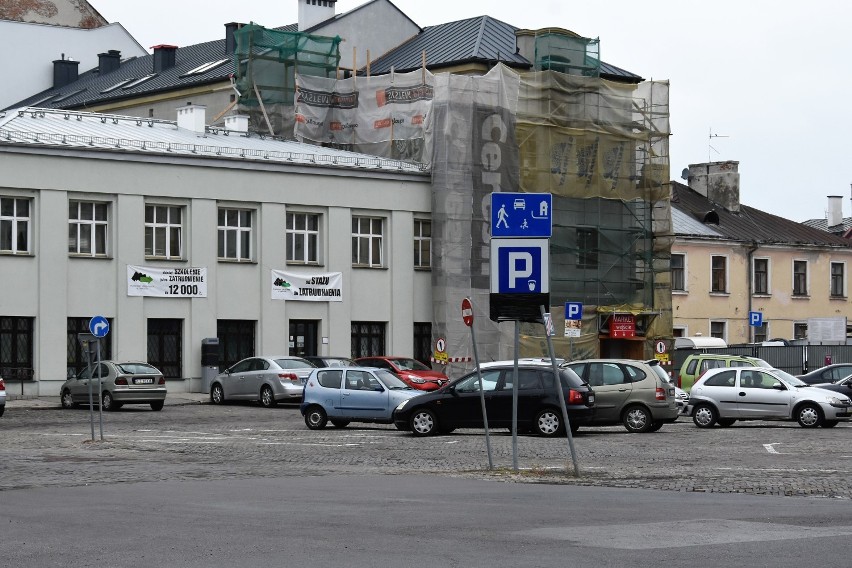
(599, 147)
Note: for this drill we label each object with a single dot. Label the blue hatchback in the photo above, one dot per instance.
(352, 394)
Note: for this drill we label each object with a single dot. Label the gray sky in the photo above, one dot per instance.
(770, 77)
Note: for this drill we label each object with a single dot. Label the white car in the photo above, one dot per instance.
(724, 395)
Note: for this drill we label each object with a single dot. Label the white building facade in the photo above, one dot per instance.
(93, 205)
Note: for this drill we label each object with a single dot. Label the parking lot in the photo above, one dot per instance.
(53, 447)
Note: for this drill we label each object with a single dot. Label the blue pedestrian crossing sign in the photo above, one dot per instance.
(520, 266)
(521, 215)
(755, 319)
(99, 326)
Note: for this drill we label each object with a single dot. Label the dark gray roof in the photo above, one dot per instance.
(748, 225)
(822, 225)
(474, 40)
(86, 91)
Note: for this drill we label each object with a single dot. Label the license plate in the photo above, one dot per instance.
(591, 398)
(143, 381)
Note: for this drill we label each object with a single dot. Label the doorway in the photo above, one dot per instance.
(303, 337)
(623, 348)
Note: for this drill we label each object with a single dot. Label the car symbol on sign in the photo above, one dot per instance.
(520, 204)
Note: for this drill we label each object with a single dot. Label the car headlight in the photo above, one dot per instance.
(416, 379)
(401, 405)
(834, 401)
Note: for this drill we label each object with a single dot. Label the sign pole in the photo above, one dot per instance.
(466, 305)
(515, 397)
(561, 394)
(100, 390)
(91, 401)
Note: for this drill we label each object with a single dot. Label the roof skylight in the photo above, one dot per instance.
(139, 81)
(205, 67)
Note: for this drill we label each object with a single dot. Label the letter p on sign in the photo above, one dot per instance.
(755, 319)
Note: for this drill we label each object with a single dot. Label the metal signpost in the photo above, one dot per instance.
(99, 326)
(755, 319)
(467, 317)
(573, 323)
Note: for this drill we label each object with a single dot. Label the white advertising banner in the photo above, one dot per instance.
(307, 287)
(167, 282)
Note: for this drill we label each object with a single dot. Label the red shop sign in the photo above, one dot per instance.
(622, 325)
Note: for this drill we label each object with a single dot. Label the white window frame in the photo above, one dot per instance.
(167, 228)
(13, 221)
(242, 234)
(724, 328)
(831, 280)
(375, 241)
(768, 291)
(421, 241)
(727, 273)
(685, 269)
(807, 278)
(310, 248)
(80, 225)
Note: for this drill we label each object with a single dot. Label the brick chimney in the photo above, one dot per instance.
(109, 61)
(834, 215)
(717, 181)
(313, 12)
(65, 71)
(164, 57)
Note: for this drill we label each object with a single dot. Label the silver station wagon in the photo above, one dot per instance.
(352, 394)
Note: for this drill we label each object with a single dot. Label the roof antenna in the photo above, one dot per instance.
(709, 146)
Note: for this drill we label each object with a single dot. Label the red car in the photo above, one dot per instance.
(412, 372)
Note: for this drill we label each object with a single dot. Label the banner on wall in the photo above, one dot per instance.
(167, 282)
(307, 287)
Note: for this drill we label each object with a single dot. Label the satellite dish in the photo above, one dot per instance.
(684, 174)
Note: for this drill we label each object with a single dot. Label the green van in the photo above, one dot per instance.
(695, 365)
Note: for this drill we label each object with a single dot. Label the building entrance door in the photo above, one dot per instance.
(623, 348)
(303, 337)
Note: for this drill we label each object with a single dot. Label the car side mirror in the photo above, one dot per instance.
(778, 386)
(378, 389)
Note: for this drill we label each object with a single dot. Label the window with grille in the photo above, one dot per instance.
(303, 238)
(75, 357)
(678, 265)
(422, 243)
(87, 228)
(838, 279)
(368, 339)
(16, 347)
(800, 278)
(163, 231)
(587, 248)
(719, 274)
(236, 341)
(164, 346)
(761, 333)
(367, 241)
(14, 225)
(761, 276)
(235, 237)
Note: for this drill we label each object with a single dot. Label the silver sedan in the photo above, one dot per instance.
(268, 379)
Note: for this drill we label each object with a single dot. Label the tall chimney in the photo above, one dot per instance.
(164, 57)
(313, 12)
(65, 72)
(230, 38)
(834, 216)
(109, 61)
(717, 181)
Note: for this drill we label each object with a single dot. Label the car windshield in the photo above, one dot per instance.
(761, 363)
(137, 369)
(391, 381)
(294, 364)
(410, 365)
(789, 379)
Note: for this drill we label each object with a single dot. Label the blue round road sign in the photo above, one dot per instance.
(99, 326)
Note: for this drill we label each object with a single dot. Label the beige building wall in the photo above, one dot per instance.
(696, 307)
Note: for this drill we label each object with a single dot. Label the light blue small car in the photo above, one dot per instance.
(352, 394)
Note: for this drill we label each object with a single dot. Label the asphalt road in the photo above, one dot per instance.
(202, 485)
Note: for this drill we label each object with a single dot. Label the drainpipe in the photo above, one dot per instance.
(750, 281)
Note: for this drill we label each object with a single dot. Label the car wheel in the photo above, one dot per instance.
(547, 423)
(704, 416)
(108, 403)
(809, 416)
(424, 423)
(157, 406)
(267, 397)
(316, 418)
(637, 419)
(655, 426)
(67, 401)
(217, 394)
(725, 422)
(829, 423)
(340, 423)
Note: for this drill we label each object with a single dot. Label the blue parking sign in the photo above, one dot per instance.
(573, 310)
(755, 319)
(522, 266)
